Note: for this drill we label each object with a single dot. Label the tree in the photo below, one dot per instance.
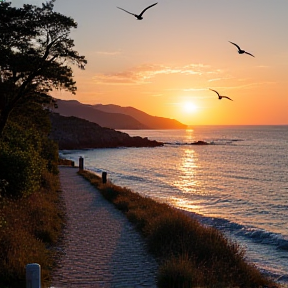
(36, 55)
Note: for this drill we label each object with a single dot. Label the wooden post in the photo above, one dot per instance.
(81, 163)
(104, 177)
(33, 276)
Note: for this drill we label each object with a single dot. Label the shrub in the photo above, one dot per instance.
(21, 169)
(49, 152)
(29, 227)
(31, 213)
(179, 272)
(66, 162)
(189, 254)
(18, 248)
(24, 155)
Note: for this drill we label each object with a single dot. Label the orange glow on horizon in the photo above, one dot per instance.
(166, 69)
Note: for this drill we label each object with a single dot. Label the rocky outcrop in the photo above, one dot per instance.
(74, 133)
(200, 143)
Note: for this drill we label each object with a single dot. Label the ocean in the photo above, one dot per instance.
(238, 184)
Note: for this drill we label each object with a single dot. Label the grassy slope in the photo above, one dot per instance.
(189, 254)
(29, 228)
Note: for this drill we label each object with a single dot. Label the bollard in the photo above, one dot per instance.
(81, 163)
(33, 276)
(104, 177)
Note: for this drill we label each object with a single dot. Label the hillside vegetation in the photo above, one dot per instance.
(36, 57)
(190, 255)
(31, 213)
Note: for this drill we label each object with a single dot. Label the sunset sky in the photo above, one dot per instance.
(168, 61)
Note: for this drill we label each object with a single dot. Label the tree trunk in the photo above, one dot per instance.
(3, 120)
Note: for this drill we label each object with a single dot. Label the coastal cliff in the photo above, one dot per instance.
(74, 133)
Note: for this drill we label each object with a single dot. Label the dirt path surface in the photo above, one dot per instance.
(100, 247)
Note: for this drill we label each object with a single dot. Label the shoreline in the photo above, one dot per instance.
(129, 215)
(181, 179)
(281, 279)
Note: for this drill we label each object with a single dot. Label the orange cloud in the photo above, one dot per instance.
(144, 73)
(219, 79)
(108, 53)
(246, 86)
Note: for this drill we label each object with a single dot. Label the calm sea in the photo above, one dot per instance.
(238, 184)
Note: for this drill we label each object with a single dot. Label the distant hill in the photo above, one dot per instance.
(153, 122)
(75, 133)
(116, 117)
(104, 119)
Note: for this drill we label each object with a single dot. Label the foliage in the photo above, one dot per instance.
(35, 55)
(190, 254)
(25, 154)
(31, 216)
(179, 272)
(22, 170)
(66, 162)
(33, 118)
(28, 226)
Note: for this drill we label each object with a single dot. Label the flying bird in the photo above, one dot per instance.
(219, 96)
(139, 17)
(240, 51)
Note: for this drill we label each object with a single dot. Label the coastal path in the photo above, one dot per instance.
(101, 248)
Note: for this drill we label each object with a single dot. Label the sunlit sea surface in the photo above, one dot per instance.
(239, 183)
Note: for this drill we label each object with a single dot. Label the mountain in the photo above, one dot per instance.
(153, 122)
(104, 119)
(116, 117)
(75, 133)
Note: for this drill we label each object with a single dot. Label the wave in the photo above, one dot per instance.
(254, 234)
(265, 237)
(257, 235)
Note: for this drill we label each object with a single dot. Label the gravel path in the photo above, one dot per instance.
(101, 248)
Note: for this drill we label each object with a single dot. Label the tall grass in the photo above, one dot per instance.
(189, 254)
(65, 162)
(29, 227)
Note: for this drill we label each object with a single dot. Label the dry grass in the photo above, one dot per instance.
(189, 254)
(66, 162)
(29, 227)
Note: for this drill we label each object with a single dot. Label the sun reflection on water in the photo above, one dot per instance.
(186, 204)
(189, 137)
(186, 181)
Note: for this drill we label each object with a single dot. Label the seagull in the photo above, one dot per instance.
(139, 17)
(240, 51)
(219, 96)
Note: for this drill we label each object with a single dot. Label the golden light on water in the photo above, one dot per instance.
(186, 181)
(189, 137)
(185, 204)
(187, 172)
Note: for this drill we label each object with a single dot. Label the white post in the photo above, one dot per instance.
(33, 276)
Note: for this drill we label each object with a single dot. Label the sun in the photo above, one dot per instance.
(189, 107)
